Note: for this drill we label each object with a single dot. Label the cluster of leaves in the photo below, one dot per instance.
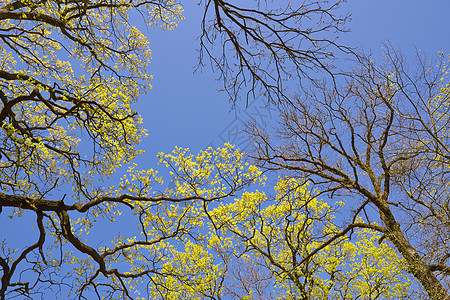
(71, 69)
(294, 236)
(188, 241)
(196, 241)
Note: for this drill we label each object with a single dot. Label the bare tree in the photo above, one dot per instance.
(381, 142)
(264, 45)
(248, 278)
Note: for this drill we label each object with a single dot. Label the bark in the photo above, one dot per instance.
(416, 264)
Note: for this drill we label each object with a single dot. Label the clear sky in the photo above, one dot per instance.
(185, 109)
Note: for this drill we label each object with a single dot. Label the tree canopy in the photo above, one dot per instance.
(184, 243)
(70, 75)
(379, 141)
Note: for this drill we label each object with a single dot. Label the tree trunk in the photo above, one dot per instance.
(416, 265)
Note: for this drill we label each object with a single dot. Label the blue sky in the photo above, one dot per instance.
(185, 109)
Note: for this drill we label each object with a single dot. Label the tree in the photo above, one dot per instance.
(266, 47)
(70, 73)
(184, 243)
(49, 106)
(294, 239)
(379, 142)
(162, 256)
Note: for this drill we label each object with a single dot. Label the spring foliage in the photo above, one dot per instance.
(185, 242)
(195, 244)
(70, 72)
